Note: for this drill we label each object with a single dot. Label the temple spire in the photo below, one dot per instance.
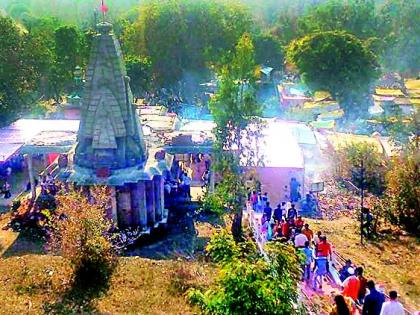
(110, 134)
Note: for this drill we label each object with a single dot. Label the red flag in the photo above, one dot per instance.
(104, 8)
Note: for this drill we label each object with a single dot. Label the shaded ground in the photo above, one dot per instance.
(37, 284)
(392, 261)
(153, 282)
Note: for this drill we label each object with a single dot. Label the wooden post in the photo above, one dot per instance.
(28, 158)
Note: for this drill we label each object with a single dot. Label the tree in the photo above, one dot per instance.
(339, 63)
(357, 17)
(402, 195)
(140, 72)
(400, 27)
(17, 73)
(81, 234)
(349, 160)
(268, 50)
(185, 35)
(234, 108)
(68, 42)
(247, 282)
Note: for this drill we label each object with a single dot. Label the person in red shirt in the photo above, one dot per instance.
(285, 229)
(351, 285)
(308, 232)
(299, 222)
(324, 248)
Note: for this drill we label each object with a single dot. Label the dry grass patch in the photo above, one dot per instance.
(36, 284)
(392, 261)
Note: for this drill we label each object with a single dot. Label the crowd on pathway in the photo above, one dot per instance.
(286, 225)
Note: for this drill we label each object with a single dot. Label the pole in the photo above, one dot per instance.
(28, 158)
(362, 174)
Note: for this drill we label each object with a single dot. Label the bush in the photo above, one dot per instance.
(402, 195)
(247, 283)
(81, 234)
(222, 247)
(214, 203)
(348, 160)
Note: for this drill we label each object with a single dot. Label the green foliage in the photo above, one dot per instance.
(185, 35)
(349, 160)
(68, 52)
(336, 62)
(268, 50)
(400, 27)
(234, 108)
(140, 72)
(81, 234)
(214, 203)
(248, 284)
(222, 247)
(402, 195)
(357, 17)
(18, 73)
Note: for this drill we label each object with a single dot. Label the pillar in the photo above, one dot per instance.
(28, 158)
(150, 202)
(138, 204)
(124, 207)
(212, 180)
(159, 197)
(114, 204)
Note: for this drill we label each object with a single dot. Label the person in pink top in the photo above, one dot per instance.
(254, 199)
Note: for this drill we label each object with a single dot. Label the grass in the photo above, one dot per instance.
(392, 260)
(32, 282)
(36, 284)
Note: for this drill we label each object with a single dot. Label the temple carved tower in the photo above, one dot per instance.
(111, 149)
(110, 135)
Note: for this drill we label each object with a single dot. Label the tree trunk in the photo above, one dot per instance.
(237, 225)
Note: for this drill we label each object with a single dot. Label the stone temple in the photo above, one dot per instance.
(111, 148)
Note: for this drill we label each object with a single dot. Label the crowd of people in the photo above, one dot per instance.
(285, 224)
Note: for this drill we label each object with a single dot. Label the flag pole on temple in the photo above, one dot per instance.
(104, 9)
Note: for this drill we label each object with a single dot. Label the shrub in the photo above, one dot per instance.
(81, 234)
(402, 195)
(214, 203)
(248, 283)
(222, 247)
(348, 161)
(181, 280)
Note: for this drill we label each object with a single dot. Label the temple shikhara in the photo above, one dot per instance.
(111, 149)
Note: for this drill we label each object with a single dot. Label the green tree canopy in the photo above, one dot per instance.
(185, 35)
(400, 27)
(403, 190)
(17, 72)
(268, 50)
(140, 72)
(337, 62)
(234, 108)
(357, 17)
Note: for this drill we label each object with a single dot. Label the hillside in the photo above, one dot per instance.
(392, 261)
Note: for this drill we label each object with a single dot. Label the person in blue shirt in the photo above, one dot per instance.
(344, 274)
(373, 301)
(308, 254)
(320, 271)
(268, 211)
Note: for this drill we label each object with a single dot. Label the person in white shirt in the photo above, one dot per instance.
(392, 307)
(300, 239)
